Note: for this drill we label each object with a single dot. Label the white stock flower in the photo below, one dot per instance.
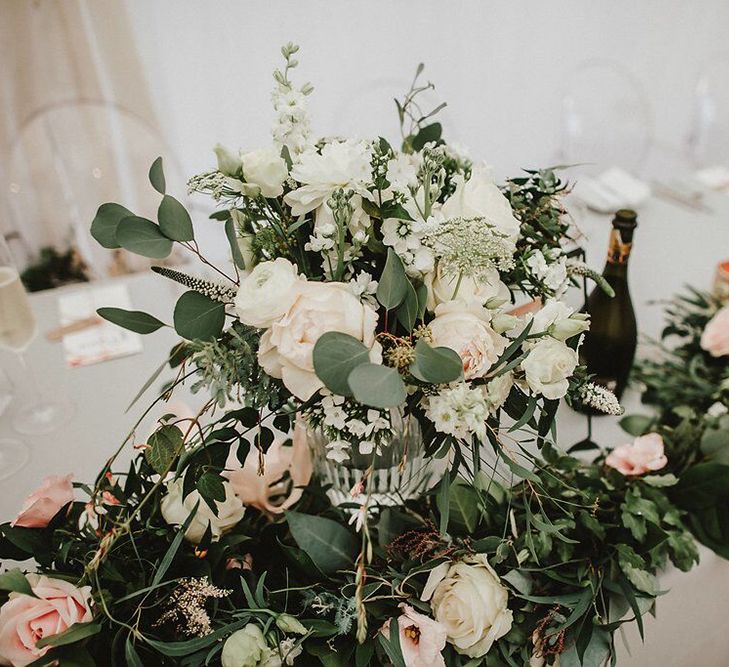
(479, 197)
(402, 171)
(265, 168)
(286, 349)
(548, 366)
(550, 268)
(176, 509)
(559, 320)
(267, 292)
(484, 289)
(458, 410)
(468, 332)
(341, 164)
(468, 599)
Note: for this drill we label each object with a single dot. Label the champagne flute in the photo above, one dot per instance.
(18, 327)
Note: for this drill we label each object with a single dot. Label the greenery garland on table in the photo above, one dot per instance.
(369, 308)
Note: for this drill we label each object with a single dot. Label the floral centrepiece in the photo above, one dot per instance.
(401, 309)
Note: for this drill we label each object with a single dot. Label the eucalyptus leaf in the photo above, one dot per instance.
(408, 310)
(134, 320)
(105, 223)
(233, 243)
(174, 220)
(157, 176)
(197, 316)
(335, 355)
(329, 544)
(377, 386)
(436, 365)
(143, 237)
(393, 284)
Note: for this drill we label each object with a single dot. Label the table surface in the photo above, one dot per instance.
(673, 247)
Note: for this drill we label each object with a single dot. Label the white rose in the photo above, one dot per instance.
(479, 197)
(266, 169)
(469, 333)
(496, 391)
(559, 320)
(176, 509)
(286, 349)
(267, 292)
(468, 599)
(246, 647)
(547, 367)
(472, 291)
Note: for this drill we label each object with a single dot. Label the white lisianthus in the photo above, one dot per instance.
(496, 391)
(458, 410)
(176, 509)
(548, 366)
(267, 292)
(479, 197)
(469, 600)
(486, 289)
(265, 168)
(468, 332)
(286, 349)
(559, 320)
(550, 269)
(246, 647)
(228, 162)
(341, 164)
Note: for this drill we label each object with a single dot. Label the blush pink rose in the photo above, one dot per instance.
(644, 455)
(287, 470)
(422, 639)
(24, 620)
(45, 502)
(715, 339)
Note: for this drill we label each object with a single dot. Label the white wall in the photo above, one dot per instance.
(500, 65)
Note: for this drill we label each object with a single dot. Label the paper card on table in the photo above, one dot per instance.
(101, 342)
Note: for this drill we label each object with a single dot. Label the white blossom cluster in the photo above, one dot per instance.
(550, 268)
(459, 410)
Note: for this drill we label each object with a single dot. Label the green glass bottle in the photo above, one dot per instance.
(609, 345)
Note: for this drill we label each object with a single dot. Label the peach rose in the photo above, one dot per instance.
(422, 639)
(715, 339)
(24, 620)
(45, 502)
(644, 455)
(287, 470)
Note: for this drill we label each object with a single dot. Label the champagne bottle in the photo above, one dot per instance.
(609, 345)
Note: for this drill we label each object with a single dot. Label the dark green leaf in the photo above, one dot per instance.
(157, 176)
(636, 424)
(198, 317)
(427, 134)
(134, 320)
(163, 447)
(329, 544)
(377, 386)
(174, 220)
(131, 655)
(335, 356)
(233, 243)
(75, 633)
(15, 581)
(437, 365)
(702, 485)
(143, 237)
(392, 287)
(105, 223)
(407, 312)
(210, 486)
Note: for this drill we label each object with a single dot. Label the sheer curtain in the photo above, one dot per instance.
(77, 126)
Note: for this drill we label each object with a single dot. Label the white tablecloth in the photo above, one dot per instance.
(673, 247)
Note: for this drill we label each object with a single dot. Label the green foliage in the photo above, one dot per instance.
(174, 220)
(330, 545)
(157, 176)
(438, 365)
(143, 237)
(198, 317)
(134, 320)
(105, 223)
(377, 385)
(335, 356)
(393, 285)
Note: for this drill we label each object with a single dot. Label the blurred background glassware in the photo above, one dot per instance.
(708, 141)
(7, 391)
(606, 119)
(400, 471)
(18, 327)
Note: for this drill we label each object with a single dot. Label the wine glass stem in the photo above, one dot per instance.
(32, 379)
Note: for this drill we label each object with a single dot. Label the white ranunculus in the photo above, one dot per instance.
(473, 291)
(265, 168)
(176, 509)
(468, 332)
(559, 320)
(340, 164)
(496, 391)
(267, 292)
(468, 599)
(479, 197)
(246, 647)
(548, 366)
(286, 349)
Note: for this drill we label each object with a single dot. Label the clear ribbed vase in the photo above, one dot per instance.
(398, 473)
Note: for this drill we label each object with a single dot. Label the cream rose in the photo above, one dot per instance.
(487, 289)
(422, 639)
(176, 510)
(559, 321)
(715, 339)
(265, 168)
(246, 647)
(479, 197)
(286, 349)
(267, 292)
(24, 620)
(469, 333)
(468, 599)
(548, 366)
